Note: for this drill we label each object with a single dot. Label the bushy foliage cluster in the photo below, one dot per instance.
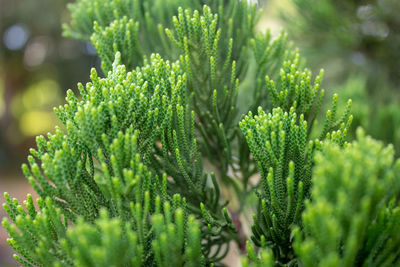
(152, 153)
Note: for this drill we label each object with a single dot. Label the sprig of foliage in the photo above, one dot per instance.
(280, 144)
(166, 237)
(364, 232)
(261, 258)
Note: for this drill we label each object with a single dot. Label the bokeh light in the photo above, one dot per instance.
(33, 107)
(15, 37)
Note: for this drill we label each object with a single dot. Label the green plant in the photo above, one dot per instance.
(354, 40)
(151, 154)
(365, 232)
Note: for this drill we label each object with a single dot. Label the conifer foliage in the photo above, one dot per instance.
(153, 150)
(365, 233)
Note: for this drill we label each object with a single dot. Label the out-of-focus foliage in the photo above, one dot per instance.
(35, 62)
(363, 34)
(261, 258)
(355, 40)
(353, 216)
(379, 119)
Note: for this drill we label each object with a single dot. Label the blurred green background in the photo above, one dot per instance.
(37, 66)
(356, 42)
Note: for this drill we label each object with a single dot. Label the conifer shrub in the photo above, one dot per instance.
(154, 151)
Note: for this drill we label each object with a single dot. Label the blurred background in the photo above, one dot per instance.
(357, 42)
(37, 66)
